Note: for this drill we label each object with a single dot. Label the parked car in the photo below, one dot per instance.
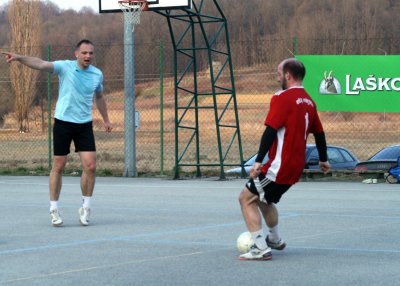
(340, 158)
(381, 161)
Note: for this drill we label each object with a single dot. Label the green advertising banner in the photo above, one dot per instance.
(353, 83)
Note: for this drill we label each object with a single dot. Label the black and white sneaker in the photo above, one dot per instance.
(280, 245)
(257, 254)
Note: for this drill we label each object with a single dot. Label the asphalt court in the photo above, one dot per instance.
(152, 231)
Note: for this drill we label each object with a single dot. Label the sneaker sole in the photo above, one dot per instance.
(57, 224)
(264, 258)
(83, 223)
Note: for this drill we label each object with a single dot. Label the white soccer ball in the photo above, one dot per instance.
(244, 242)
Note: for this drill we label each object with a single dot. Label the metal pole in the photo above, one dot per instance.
(129, 95)
(161, 109)
(294, 45)
(214, 91)
(228, 47)
(174, 44)
(49, 109)
(196, 100)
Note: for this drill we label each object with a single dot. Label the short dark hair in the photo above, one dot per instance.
(295, 68)
(84, 41)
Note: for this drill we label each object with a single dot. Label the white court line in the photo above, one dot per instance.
(94, 268)
(342, 231)
(99, 267)
(119, 238)
(163, 233)
(340, 249)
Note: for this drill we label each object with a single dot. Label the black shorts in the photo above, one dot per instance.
(65, 132)
(267, 190)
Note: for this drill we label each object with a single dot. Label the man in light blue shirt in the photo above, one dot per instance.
(80, 83)
(75, 100)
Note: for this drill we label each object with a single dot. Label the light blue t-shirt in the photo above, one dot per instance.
(77, 89)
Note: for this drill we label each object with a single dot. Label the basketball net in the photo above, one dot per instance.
(132, 10)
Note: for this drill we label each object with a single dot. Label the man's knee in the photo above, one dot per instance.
(246, 197)
(59, 163)
(90, 167)
(241, 197)
(88, 160)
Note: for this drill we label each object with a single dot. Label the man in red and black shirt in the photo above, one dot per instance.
(292, 116)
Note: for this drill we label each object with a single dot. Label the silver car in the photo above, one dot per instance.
(340, 158)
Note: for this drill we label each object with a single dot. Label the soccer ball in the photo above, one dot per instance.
(244, 242)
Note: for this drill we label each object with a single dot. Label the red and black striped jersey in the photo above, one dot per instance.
(294, 115)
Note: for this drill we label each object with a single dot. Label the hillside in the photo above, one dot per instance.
(249, 21)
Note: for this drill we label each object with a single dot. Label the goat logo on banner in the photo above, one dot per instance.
(330, 85)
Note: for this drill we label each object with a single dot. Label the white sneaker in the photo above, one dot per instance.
(257, 254)
(84, 214)
(55, 217)
(370, 181)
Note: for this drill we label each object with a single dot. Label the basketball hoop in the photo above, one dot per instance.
(133, 9)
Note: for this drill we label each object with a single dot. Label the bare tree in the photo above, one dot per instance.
(25, 26)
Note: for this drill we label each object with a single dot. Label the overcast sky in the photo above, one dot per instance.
(67, 4)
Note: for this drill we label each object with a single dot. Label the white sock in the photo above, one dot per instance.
(259, 239)
(86, 202)
(53, 205)
(273, 235)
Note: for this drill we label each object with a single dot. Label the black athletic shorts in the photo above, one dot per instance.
(65, 132)
(267, 190)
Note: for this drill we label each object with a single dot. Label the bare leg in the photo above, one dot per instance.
(88, 177)
(252, 217)
(55, 179)
(249, 204)
(270, 214)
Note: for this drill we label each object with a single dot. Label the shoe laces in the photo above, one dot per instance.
(255, 249)
(55, 214)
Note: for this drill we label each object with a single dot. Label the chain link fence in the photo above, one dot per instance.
(255, 81)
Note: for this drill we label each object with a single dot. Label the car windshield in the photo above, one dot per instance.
(387, 153)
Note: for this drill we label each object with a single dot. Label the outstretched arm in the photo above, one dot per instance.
(32, 62)
(102, 107)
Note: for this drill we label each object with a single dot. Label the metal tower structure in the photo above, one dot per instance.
(204, 88)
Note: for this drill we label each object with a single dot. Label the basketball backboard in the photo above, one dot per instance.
(111, 6)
